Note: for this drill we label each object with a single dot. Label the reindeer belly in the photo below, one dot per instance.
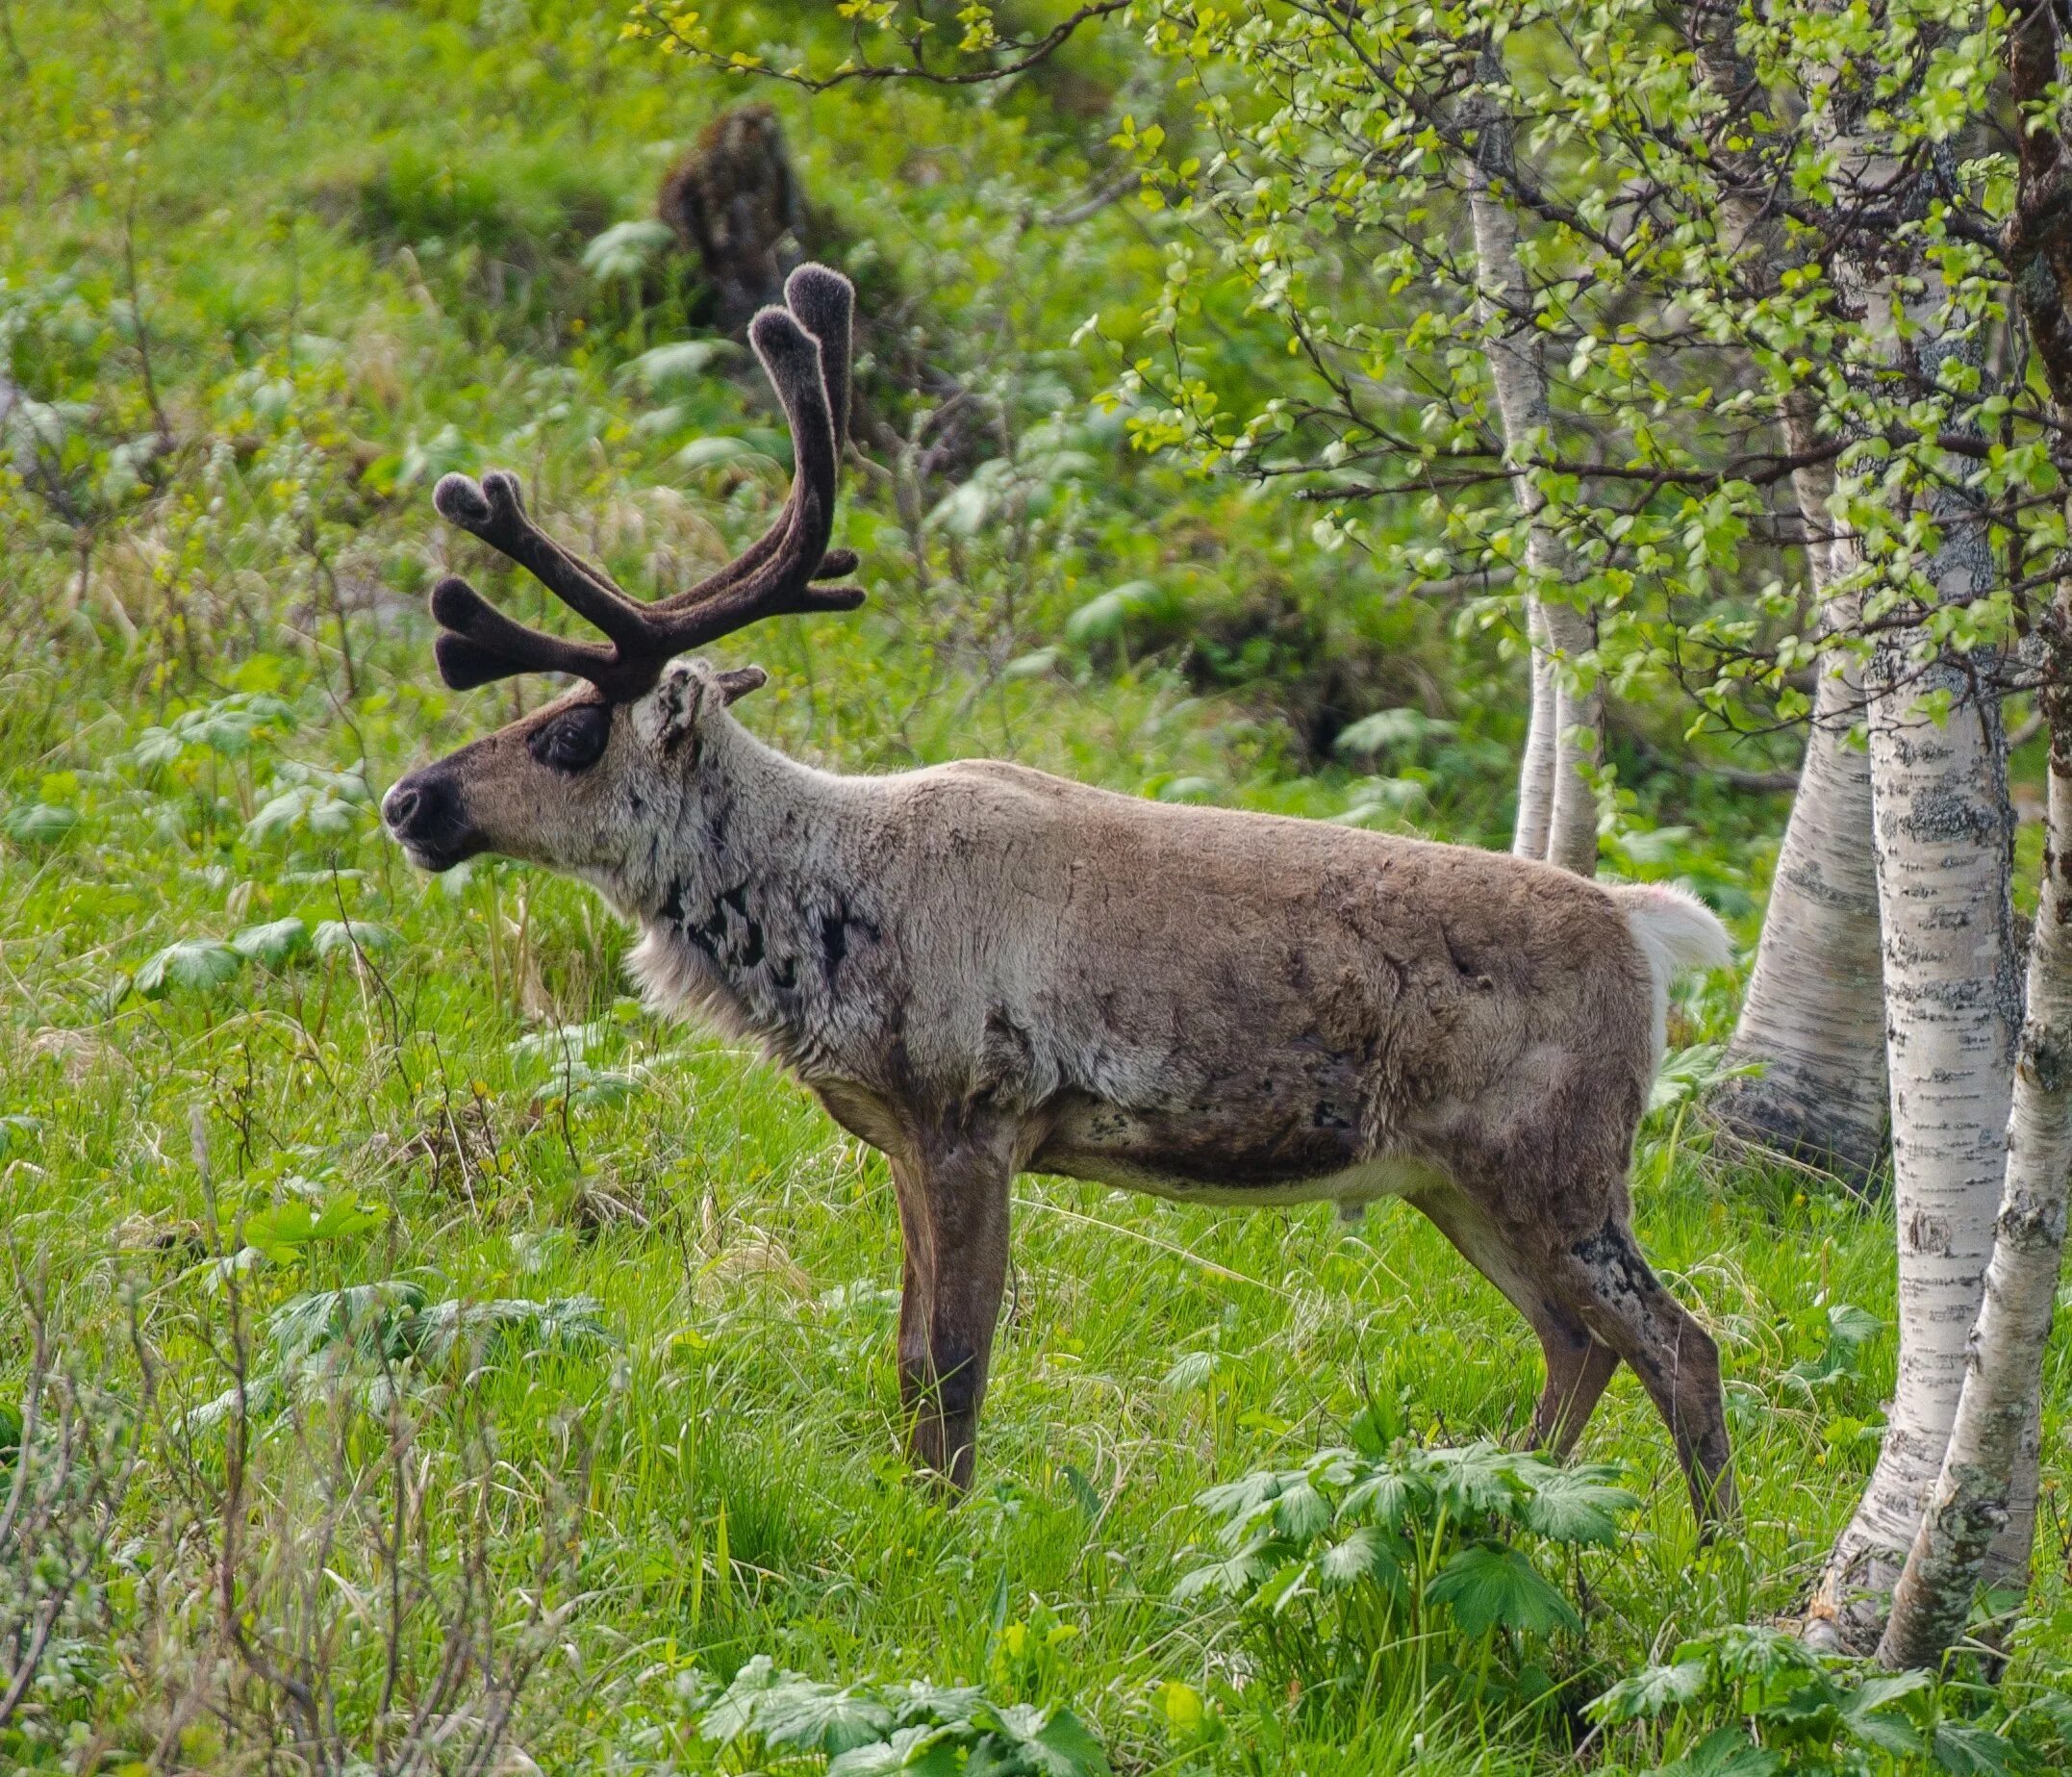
(1206, 1161)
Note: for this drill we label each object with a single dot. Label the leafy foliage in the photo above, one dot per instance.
(374, 1339)
(1363, 1555)
(864, 1730)
(1787, 1708)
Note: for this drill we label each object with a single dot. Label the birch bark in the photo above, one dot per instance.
(1562, 744)
(1944, 833)
(1975, 1496)
(1979, 1521)
(1813, 1014)
(1537, 769)
(1815, 1011)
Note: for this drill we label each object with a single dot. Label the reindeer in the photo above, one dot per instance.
(981, 970)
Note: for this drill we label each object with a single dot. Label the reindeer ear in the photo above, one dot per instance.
(738, 682)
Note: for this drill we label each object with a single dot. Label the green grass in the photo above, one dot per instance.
(329, 328)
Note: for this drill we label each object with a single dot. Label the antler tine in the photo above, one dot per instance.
(493, 509)
(792, 358)
(824, 303)
(481, 643)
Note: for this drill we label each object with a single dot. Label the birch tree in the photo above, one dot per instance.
(1557, 800)
(1806, 1073)
(1976, 1511)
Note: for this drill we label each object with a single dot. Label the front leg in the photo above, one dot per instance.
(952, 1189)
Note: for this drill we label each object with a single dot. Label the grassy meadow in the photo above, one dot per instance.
(413, 1290)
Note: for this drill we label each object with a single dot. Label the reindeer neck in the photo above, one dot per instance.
(758, 913)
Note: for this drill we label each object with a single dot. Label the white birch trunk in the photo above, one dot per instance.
(1813, 1014)
(1562, 742)
(1975, 1499)
(1537, 769)
(1944, 831)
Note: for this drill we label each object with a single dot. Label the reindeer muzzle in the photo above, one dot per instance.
(427, 817)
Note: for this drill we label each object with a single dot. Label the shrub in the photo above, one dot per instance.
(1372, 1572)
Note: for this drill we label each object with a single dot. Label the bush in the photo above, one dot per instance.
(1373, 1572)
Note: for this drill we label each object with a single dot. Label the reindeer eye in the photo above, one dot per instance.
(574, 740)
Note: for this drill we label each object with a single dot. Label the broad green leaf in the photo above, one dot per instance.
(1650, 1692)
(191, 962)
(1499, 1588)
(1388, 1497)
(1396, 727)
(1574, 1505)
(1041, 1742)
(1302, 1513)
(272, 943)
(728, 1717)
(815, 1717)
(39, 823)
(926, 1751)
(1105, 615)
(1964, 1749)
(626, 249)
(1366, 1554)
(341, 937)
(1725, 1752)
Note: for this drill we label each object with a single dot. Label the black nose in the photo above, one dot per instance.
(424, 812)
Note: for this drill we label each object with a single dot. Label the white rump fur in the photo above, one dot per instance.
(1674, 931)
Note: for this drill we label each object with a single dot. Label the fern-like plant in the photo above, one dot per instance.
(1373, 1573)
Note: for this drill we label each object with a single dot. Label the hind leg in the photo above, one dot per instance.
(1578, 1367)
(1612, 1291)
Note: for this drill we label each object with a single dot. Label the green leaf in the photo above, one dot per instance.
(1725, 1752)
(728, 1718)
(1041, 1742)
(1105, 615)
(718, 450)
(283, 1230)
(1574, 1505)
(1477, 1477)
(1499, 1589)
(1302, 1513)
(1966, 1750)
(1650, 1692)
(1366, 1554)
(272, 943)
(679, 364)
(816, 1718)
(334, 936)
(1396, 727)
(1388, 1497)
(39, 823)
(926, 1751)
(626, 249)
(191, 962)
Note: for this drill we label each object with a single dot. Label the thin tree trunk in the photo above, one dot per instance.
(1971, 1509)
(1567, 719)
(1537, 769)
(1944, 832)
(1815, 1011)
(1813, 1014)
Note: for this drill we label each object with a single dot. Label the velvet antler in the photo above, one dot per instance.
(804, 350)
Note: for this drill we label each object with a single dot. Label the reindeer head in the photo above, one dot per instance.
(567, 786)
